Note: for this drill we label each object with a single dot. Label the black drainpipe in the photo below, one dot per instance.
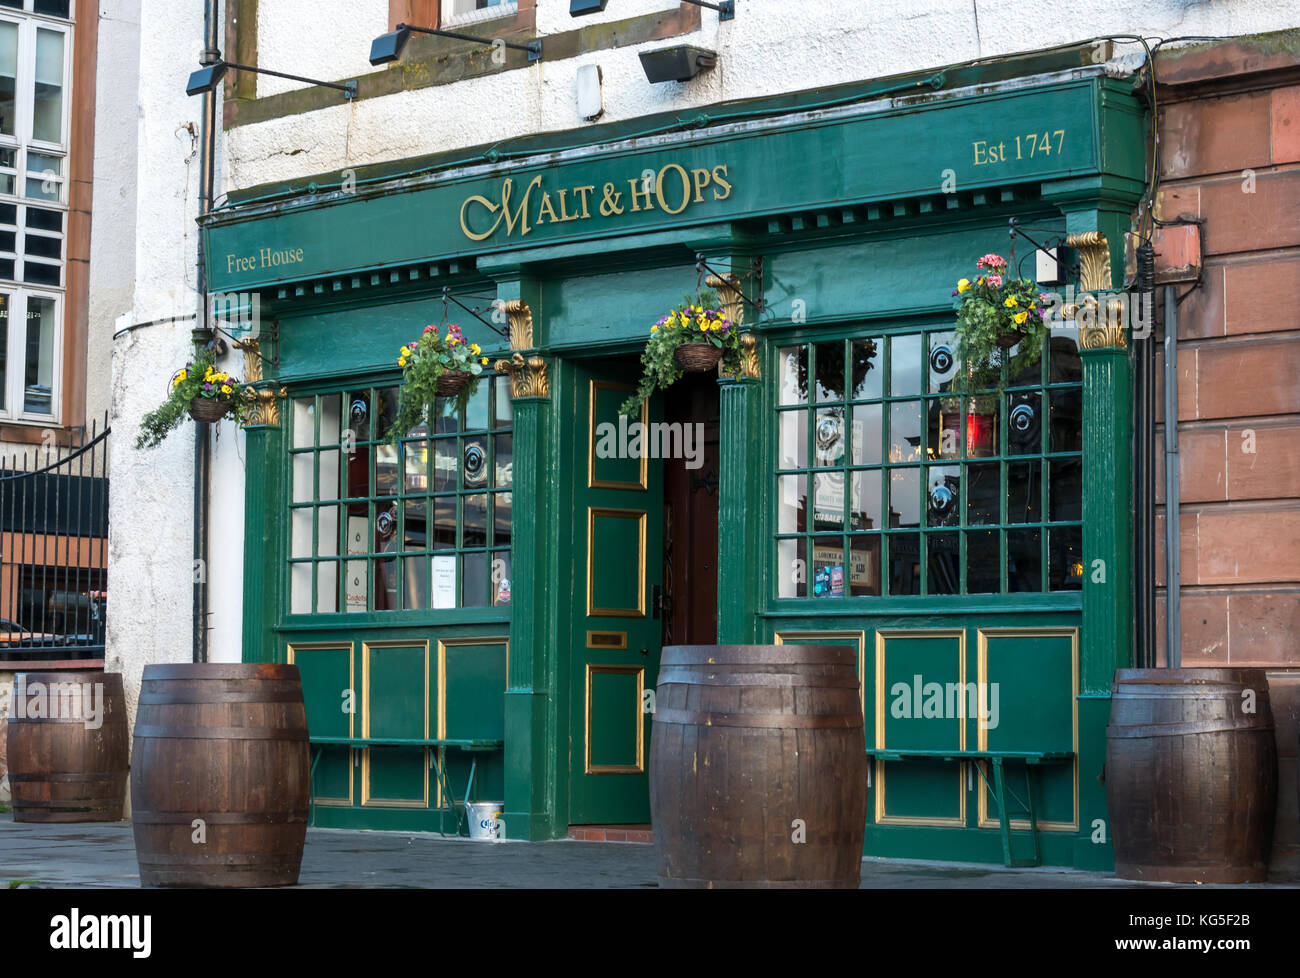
(1144, 500)
(203, 336)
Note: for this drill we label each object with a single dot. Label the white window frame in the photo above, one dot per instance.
(13, 408)
(16, 366)
(457, 13)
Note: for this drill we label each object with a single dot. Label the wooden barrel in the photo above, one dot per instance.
(1191, 775)
(67, 747)
(220, 776)
(758, 767)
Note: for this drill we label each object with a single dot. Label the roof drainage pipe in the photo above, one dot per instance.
(1173, 623)
(203, 336)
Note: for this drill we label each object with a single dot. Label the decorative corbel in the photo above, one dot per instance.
(528, 375)
(733, 306)
(1095, 277)
(264, 403)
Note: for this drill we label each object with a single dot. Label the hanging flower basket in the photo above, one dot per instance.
(200, 390)
(208, 410)
(435, 364)
(698, 358)
(694, 337)
(994, 314)
(452, 382)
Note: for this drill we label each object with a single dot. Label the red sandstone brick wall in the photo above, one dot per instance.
(1230, 155)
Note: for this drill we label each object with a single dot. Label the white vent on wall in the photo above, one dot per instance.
(457, 13)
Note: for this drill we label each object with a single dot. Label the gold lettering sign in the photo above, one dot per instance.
(672, 189)
(262, 259)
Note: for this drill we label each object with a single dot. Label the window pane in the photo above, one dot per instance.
(830, 370)
(1065, 558)
(791, 569)
(47, 118)
(1024, 492)
(1067, 420)
(40, 219)
(983, 562)
(792, 504)
(943, 568)
(829, 434)
(502, 505)
(503, 411)
(474, 515)
(943, 495)
(904, 365)
(793, 371)
(828, 567)
(1066, 490)
(904, 497)
(474, 581)
(864, 504)
(982, 492)
(39, 273)
(905, 563)
(866, 434)
(39, 246)
(475, 461)
(54, 8)
(415, 571)
(905, 432)
(942, 362)
(828, 501)
(793, 449)
(501, 577)
(39, 377)
(8, 77)
(503, 476)
(867, 370)
(1024, 424)
(1024, 561)
(864, 565)
(445, 465)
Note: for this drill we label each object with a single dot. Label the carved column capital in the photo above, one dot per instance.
(733, 307)
(528, 377)
(1099, 328)
(521, 324)
(264, 403)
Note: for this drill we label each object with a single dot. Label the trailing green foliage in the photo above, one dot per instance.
(994, 315)
(423, 361)
(698, 320)
(197, 379)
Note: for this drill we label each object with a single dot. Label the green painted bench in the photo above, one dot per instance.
(437, 761)
(999, 788)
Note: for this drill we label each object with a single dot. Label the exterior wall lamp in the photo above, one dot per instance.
(388, 47)
(726, 8)
(207, 77)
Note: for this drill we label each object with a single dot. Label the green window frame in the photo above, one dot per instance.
(421, 525)
(890, 484)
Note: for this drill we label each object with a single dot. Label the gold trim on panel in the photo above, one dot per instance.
(639, 767)
(814, 638)
(881, 817)
(617, 640)
(982, 649)
(592, 482)
(290, 655)
(443, 645)
(639, 610)
(366, 797)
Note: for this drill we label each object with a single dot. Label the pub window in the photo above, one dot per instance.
(34, 82)
(471, 11)
(889, 483)
(418, 525)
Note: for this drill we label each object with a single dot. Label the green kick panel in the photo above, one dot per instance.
(394, 704)
(1034, 677)
(326, 679)
(918, 789)
(474, 705)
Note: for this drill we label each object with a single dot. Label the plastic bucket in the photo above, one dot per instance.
(485, 820)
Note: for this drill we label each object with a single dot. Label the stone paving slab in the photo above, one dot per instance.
(103, 856)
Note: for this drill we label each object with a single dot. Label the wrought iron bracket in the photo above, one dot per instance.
(448, 296)
(736, 282)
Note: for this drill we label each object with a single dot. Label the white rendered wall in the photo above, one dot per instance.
(771, 46)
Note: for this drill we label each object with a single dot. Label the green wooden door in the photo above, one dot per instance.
(617, 528)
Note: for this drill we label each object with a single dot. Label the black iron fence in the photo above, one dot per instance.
(54, 553)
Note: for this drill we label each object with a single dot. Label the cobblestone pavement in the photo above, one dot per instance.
(102, 856)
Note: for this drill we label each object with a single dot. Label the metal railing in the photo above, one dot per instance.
(54, 553)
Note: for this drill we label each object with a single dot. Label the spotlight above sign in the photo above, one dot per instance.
(388, 47)
(207, 77)
(726, 8)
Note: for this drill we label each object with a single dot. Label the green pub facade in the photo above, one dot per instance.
(499, 577)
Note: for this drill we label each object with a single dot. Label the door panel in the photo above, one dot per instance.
(617, 524)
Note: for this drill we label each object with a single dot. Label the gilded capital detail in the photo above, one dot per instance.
(264, 406)
(733, 306)
(528, 377)
(1098, 329)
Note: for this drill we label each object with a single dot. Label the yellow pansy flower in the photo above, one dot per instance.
(963, 285)
(1020, 317)
(485, 361)
(401, 361)
(225, 388)
(654, 329)
(475, 348)
(406, 351)
(1011, 302)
